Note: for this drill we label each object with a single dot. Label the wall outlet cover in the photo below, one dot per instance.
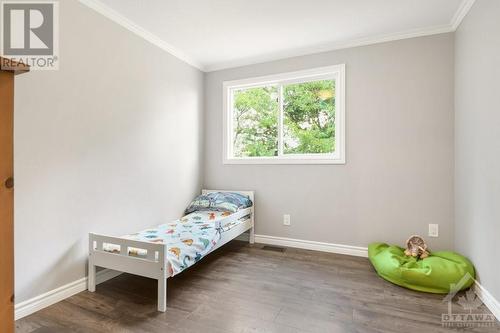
(286, 219)
(433, 230)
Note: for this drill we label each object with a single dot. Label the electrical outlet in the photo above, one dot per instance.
(286, 219)
(433, 230)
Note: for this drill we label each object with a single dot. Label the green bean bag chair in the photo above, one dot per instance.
(434, 274)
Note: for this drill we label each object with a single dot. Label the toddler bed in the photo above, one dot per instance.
(168, 249)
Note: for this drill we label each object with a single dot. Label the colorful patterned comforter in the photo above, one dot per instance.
(188, 239)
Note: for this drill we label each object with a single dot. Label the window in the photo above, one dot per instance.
(290, 118)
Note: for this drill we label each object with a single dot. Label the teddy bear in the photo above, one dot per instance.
(416, 247)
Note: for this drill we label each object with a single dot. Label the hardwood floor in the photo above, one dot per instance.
(243, 288)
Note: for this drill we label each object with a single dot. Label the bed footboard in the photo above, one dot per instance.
(152, 265)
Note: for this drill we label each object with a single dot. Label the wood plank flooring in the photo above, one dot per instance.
(242, 288)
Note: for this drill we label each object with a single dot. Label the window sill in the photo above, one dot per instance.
(284, 160)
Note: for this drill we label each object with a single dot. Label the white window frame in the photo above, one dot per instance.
(336, 73)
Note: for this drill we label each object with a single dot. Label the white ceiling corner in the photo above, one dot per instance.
(219, 34)
(461, 12)
(140, 31)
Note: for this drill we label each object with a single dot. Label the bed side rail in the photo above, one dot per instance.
(234, 217)
(152, 265)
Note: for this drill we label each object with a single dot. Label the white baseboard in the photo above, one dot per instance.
(37, 303)
(491, 303)
(309, 245)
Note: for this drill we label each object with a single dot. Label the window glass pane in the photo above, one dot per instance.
(309, 117)
(255, 122)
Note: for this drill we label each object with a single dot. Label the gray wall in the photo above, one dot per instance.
(477, 138)
(399, 172)
(110, 143)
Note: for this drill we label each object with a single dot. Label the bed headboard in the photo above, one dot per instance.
(250, 194)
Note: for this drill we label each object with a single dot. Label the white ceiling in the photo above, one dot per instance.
(216, 34)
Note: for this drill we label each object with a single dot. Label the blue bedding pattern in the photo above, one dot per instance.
(188, 239)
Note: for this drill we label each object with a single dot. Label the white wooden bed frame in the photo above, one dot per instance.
(154, 264)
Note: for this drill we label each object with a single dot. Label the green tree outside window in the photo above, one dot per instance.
(308, 119)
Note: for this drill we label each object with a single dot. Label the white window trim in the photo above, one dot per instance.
(336, 72)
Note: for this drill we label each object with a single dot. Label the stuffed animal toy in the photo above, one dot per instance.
(416, 247)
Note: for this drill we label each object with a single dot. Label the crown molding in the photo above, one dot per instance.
(140, 31)
(459, 15)
(332, 47)
(110, 13)
(461, 12)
